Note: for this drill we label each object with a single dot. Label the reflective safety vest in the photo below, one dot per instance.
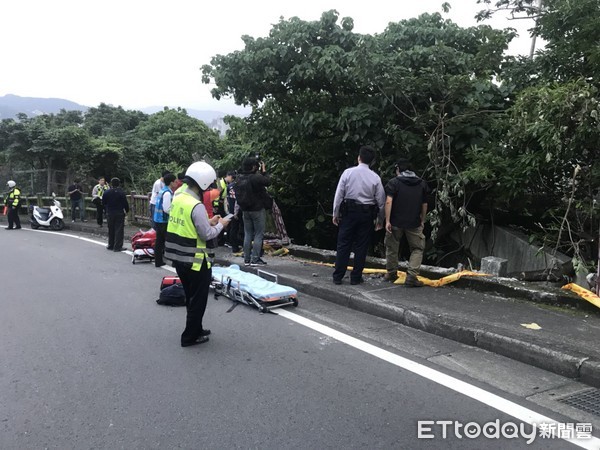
(160, 216)
(101, 189)
(183, 243)
(222, 195)
(13, 197)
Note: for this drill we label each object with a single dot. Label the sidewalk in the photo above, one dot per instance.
(481, 312)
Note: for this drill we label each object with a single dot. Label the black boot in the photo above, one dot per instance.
(412, 281)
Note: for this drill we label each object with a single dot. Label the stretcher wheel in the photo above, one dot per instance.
(264, 309)
(133, 261)
(295, 302)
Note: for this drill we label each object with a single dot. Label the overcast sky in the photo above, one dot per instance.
(139, 53)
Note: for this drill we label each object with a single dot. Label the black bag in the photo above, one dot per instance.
(172, 295)
(243, 192)
(97, 201)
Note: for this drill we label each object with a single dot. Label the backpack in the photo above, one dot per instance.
(173, 295)
(243, 192)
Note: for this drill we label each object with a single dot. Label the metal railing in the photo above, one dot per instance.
(139, 210)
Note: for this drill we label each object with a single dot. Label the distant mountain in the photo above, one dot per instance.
(11, 105)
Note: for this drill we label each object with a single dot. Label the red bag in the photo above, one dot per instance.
(143, 239)
(169, 281)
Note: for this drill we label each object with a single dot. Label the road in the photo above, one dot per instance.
(89, 360)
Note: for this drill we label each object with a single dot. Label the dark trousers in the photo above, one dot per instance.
(355, 231)
(13, 218)
(99, 213)
(159, 244)
(196, 285)
(116, 225)
(235, 227)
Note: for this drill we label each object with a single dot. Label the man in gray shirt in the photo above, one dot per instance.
(359, 200)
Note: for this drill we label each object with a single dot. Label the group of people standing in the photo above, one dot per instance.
(110, 202)
(362, 204)
(187, 218)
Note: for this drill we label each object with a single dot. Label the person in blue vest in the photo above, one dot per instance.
(161, 217)
(187, 232)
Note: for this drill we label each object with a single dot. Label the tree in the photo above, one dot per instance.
(545, 167)
(422, 88)
(169, 139)
(107, 120)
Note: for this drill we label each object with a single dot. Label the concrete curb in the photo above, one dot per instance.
(509, 287)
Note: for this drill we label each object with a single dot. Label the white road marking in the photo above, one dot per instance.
(501, 404)
(487, 398)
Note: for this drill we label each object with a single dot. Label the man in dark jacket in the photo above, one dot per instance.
(405, 211)
(251, 196)
(116, 206)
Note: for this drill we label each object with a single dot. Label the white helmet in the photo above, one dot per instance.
(11, 184)
(202, 173)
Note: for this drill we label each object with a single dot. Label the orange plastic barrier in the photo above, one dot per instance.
(428, 282)
(583, 293)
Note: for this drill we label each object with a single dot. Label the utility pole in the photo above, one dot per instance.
(533, 39)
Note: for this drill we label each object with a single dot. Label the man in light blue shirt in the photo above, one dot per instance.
(359, 200)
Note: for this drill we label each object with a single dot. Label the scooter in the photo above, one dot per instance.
(51, 217)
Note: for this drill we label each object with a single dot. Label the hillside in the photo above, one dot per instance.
(11, 105)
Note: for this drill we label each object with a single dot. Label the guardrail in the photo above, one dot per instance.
(139, 211)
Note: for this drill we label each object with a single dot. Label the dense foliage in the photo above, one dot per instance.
(499, 138)
(106, 141)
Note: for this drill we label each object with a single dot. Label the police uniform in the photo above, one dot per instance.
(97, 194)
(359, 199)
(187, 233)
(13, 200)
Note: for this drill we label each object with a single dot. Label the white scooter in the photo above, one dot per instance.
(51, 217)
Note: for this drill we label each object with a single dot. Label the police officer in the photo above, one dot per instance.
(359, 200)
(12, 201)
(187, 232)
(97, 194)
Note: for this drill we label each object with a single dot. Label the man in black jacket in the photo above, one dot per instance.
(116, 206)
(405, 211)
(251, 196)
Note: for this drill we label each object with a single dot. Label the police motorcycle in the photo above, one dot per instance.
(51, 217)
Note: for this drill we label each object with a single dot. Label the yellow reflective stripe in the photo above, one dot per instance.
(181, 248)
(182, 258)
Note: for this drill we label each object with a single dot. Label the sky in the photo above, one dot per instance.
(142, 53)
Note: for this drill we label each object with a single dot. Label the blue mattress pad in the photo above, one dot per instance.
(254, 285)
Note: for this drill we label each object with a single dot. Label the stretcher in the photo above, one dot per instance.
(250, 289)
(142, 246)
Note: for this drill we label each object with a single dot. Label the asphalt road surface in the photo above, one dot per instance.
(89, 360)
